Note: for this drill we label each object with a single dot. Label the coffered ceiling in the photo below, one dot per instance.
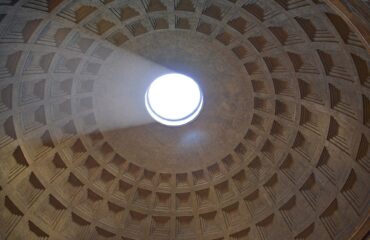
(281, 149)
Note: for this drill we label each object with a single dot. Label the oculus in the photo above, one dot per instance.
(174, 99)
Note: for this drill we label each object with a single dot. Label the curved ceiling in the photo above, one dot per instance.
(281, 149)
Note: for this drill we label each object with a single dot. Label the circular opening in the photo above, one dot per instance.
(173, 99)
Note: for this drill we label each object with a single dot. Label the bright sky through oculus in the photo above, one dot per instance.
(174, 99)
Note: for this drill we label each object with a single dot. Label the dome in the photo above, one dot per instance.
(280, 148)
